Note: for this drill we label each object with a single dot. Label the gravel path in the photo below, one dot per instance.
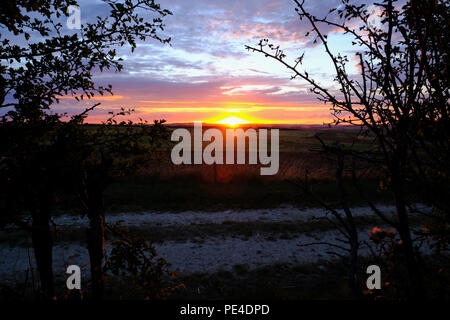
(212, 253)
(284, 213)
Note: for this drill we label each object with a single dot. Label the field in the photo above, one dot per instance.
(162, 185)
(227, 230)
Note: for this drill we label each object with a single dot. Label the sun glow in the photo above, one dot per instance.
(232, 121)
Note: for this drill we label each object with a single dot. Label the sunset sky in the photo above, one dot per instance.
(207, 75)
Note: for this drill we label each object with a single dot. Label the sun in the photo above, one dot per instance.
(233, 121)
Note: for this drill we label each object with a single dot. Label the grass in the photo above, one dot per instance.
(162, 186)
(325, 280)
(269, 230)
(200, 232)
(191, 194)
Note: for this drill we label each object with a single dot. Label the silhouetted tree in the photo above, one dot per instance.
(41, 154)
(400, 95)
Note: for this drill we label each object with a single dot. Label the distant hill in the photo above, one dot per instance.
(264, 125)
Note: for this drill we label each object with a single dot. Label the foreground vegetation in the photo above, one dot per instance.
(398, 102)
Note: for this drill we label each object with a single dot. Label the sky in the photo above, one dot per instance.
(206, 74)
